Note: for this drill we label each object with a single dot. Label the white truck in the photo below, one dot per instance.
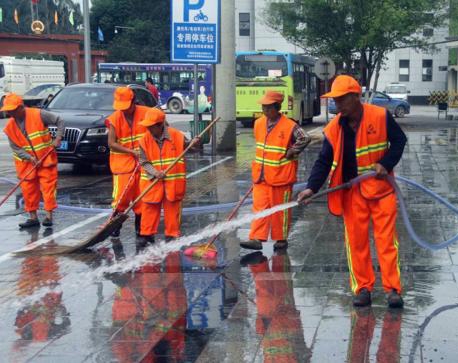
(21, 75)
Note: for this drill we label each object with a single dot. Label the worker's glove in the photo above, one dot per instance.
(290, 154)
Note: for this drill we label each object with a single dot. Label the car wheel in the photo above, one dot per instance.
(175, 106)
(400, 111)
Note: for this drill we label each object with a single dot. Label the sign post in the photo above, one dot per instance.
(195, 38)
(324, 70)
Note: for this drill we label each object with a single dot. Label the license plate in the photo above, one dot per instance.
(257, 115)
(63, 145)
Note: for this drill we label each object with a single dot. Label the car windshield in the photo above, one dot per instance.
(396, 89)
(83, 98)
(261, 65)
(37, 90)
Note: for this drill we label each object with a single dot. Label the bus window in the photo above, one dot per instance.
(261, 65)
(2, 71)
(180, 80)
(165, 81)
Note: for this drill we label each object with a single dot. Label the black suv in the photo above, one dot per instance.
(84, 108)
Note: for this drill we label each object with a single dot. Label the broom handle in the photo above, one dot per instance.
(155, 181)
(231, 215)
(25, 176)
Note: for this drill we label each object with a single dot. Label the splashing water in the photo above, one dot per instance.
(152, 254)
(158, 252)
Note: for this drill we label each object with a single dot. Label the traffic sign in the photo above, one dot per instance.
(195, 31)
(325, 68)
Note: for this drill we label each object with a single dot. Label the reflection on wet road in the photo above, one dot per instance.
(258, 307)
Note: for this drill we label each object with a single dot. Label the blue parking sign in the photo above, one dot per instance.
(195, 31)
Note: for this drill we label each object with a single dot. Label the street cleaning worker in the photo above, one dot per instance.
(124, 134)
(279, 141)
(30, 140)
(362, 137)
(160, 146)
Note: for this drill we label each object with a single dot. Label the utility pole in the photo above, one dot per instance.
(225, 81)
(87, 43)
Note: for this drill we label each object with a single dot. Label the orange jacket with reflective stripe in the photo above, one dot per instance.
(271, 147)
(173, 187)
(38, 143)
(122, 163)
(371, 145)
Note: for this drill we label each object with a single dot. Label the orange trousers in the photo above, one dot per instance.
(120, 183)
(358, 211)
(151, 214)
(44, 184)
(264, 197)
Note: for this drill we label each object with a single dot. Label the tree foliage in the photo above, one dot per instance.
(146, 33)
(43, 11)
(356, 32)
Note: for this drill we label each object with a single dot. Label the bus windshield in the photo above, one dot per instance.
(261, 65)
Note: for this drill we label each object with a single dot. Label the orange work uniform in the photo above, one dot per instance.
(122, 165)
(170, 191)
(371, 199)
(273, 177)
(37, 142)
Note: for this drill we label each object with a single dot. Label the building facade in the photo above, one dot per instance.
(421, 71)
(253, 34)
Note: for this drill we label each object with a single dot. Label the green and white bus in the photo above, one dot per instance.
(291, 74)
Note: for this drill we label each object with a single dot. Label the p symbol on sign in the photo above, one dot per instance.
(191, 5)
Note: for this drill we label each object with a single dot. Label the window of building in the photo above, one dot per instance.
(427, 70)
(428, 32)
(404, 65)
(244, 24)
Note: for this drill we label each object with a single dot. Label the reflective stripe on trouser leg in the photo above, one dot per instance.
(31, 193)
(48, 185)
(280, 221)
(151, 214)
(172, 218)
(120, 182)
(356, 216)
(384, 213)
(261, 200)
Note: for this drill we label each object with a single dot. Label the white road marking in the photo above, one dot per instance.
(45, 240)
(208, 167)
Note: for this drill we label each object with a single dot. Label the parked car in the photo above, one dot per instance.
(398, 108)
(41, 95)
(84, 108)
(397, 91)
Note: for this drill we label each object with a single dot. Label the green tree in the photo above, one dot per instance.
(44, 11)
(358, 34)
(143, 33)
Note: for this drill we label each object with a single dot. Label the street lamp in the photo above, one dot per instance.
(121, 27)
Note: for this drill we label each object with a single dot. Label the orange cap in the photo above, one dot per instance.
(123, 97)
(153, 116)
(271, 97)
(342, 85)
(11, 102)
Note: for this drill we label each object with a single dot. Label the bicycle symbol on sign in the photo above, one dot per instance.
(201, 16)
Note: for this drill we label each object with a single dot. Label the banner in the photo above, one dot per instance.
(16, 16)
(71, 19)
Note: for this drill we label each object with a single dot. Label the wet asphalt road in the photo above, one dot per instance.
(293, 307)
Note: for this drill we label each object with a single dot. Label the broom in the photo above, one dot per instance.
(208, 250)
(117, 221)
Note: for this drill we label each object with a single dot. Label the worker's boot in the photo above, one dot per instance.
(29, 223)
(138, 222)
(148, 239)
(363, 298)
(281, 245)
(254, 244)
(253, 258)
(169, 239)
(395, 300)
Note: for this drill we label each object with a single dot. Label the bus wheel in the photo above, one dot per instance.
(175, 106)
